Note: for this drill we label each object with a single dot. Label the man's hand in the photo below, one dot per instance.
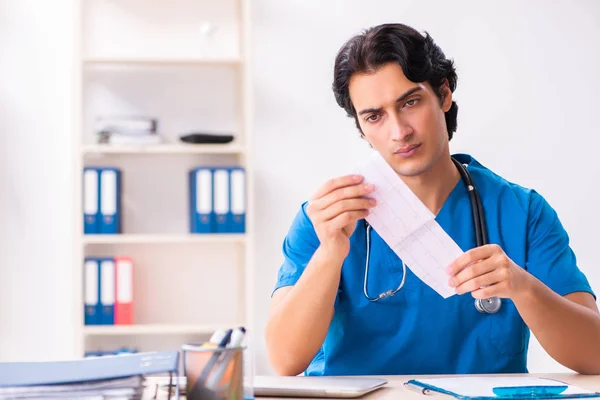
(486, 272)
(336, 207)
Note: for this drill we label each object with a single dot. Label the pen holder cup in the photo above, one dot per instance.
(213, 373)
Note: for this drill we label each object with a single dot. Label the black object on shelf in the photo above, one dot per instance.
(206, 138)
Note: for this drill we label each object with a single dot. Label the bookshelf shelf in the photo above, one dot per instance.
(163, 239)
(161, 62)
(151, 329)
(164, 149)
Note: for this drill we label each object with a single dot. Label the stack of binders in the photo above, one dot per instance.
(120, 377)
(101, 200)
(217, 200)
(108, 296)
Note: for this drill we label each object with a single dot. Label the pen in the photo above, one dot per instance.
(415, 388)
(217, 336)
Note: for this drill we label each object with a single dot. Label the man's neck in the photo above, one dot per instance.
(434, 186)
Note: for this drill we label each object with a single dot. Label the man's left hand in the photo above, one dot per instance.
(486, 272)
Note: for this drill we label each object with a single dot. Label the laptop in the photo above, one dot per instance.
(316, 386)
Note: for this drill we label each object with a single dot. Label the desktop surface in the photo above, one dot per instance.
(395, 388)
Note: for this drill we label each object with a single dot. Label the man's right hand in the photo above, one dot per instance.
(335, 208)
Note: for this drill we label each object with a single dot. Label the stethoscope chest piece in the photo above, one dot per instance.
(489, 306)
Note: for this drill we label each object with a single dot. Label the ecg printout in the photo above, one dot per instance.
(408, 227)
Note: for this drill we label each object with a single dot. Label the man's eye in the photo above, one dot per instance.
(373, 118)
(411, 102)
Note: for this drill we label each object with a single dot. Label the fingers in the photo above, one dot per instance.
(488, 279)
(360, 204)
(475, 270)
(470, 257)
(336, 183)
(341, 199)
(348, 192)
(346, 218)
(338, 204)
(495, 290)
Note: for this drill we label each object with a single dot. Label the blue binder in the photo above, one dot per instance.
(222, 200)
(237, 184)
(91, 303)
(110, 200)
(201, 200)
(91, 200)
(106, 272)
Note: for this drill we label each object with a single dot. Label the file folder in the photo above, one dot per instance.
(110, 201)
(222, 194)
(91, 210)
(107, 291)
(123, 291)
(201, 200)
(237, 182)
(92, 307)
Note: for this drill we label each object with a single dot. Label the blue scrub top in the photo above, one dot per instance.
(417, 331)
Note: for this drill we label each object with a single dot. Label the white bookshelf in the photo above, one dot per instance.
(128, 63)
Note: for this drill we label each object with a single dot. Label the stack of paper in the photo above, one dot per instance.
(127, 130)
(124, 388)
(109, 377)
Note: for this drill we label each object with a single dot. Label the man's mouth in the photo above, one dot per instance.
(407, 150)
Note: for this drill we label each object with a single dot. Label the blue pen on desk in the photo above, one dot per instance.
(415, 388)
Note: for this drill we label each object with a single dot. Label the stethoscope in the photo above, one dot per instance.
(491, 305)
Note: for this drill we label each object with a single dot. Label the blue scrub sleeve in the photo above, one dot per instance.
(299, 245)
(549, 255)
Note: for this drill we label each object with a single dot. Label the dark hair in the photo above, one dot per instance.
(419, 57)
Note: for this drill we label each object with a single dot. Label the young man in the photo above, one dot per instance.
(397, 84)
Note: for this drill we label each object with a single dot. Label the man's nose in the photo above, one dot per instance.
(399, 128)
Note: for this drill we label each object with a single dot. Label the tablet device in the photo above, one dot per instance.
(316, 386)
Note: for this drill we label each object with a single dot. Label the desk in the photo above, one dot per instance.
(395, 389)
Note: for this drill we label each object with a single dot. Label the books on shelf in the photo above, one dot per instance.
(101, 200)
(108, 291)
(217, 200)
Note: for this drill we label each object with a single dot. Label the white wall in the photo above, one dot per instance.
(36, 174)
(528, 85)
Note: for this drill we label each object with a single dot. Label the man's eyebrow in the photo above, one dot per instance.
(398, 100)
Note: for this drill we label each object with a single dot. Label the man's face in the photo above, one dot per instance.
(403, 120)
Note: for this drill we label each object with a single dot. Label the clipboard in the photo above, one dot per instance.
(500, 387)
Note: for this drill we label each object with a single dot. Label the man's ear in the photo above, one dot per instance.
(446, 94)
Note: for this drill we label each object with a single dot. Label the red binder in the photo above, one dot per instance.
(123, 291)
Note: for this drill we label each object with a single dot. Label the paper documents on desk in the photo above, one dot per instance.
(408, 227)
